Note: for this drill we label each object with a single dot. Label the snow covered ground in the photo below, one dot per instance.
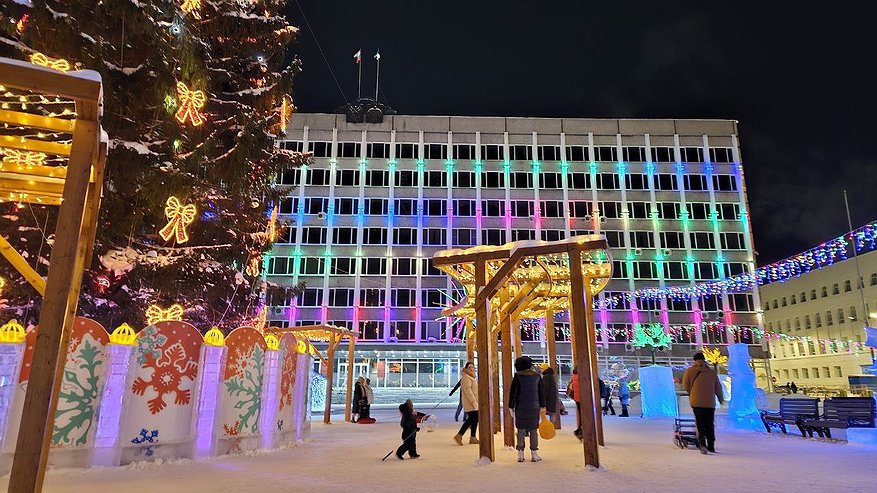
(639, 456)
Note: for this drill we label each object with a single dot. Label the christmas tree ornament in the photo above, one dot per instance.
(124, 335)
(253, 266)
(42, 60)
(190, 104)
(156, 314)
(13, 332)
(179, 216)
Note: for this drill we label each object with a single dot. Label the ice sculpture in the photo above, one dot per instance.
(658, 391)
(743, 387)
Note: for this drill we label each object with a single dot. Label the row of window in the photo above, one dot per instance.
(823, 293)
(580, 209)
(807, 373)
(692, 182)
(517, 152)
(817, 320)
(342, 235)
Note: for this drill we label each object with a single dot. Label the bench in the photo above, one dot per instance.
(792, 411)
(842, 413)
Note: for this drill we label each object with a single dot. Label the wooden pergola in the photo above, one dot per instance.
(530, 279)
(54, 152)
(333, 336)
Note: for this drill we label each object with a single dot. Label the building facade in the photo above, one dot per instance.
(825, 316)
(380, 199)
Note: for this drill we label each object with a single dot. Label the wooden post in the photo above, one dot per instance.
(65, 270)
(578, 323)
(330, 375)
(506, 347)
(592, 348)
(350, 358)
(485, 395)
(551, 345)
(470, 341)
(516, 334)
(495, 383)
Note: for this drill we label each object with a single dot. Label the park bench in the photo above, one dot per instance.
(792, 411)
(842, 413)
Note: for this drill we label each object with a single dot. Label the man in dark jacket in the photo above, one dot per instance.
(409, 432)
(703, 387)
(606, 395)
(552, 398)
(527, 402)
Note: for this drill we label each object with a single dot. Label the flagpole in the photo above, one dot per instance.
(378, 75)
(359, 83)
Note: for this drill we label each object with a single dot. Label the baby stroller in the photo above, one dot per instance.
(685, 433)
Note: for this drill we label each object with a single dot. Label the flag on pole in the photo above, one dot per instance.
(358, 56)
(378, 55)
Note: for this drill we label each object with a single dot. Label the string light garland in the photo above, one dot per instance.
(188, 6)
(24, 158)
(156, 314)
(190, 103)
(253, 265)
(20, 25)
(42, 60)
(179, 217)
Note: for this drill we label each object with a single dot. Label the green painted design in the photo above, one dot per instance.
(248, 390)
(150, 342)
(72, 424)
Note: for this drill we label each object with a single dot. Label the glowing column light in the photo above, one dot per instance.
(478, 215)
(213, 353)
(120, 353)
(11, 355)
(270, 390)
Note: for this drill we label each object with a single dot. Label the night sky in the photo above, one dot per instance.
(799, 77)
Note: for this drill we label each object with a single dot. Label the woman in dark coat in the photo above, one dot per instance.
(358, 396)
(527, 401)
(552, 399)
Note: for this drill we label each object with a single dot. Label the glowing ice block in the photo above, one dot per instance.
(270, 389)
(658, 391)
(11, 356)
(743, 386)
(207, 402)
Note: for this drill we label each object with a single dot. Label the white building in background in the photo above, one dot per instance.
(380, 199)
(824, 305)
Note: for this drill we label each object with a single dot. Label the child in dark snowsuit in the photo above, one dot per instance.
(409, 432)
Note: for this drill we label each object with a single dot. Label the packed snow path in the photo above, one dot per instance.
(639, 456)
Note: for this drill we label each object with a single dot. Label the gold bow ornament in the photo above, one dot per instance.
(156, 314)
(191, 103)
(179, 216)
(58, 64)
(189, 5)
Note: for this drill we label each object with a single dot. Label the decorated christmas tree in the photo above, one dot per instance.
(195, 95)
(652, 337)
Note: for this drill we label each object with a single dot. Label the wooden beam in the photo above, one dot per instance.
(508, 422)
(31, 120)
(23, 172)
(330, 373)
(92, 206)
(592, 347)
(20, 264)
(551, 345)
(499, 277)
(41, 399)
(22, 75)
(578, 326)
(24, 144)
(350, 358)
(485, 395)
(496, 398)
(516, 335)
(470, 341)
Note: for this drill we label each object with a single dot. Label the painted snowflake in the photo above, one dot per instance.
(149, 343)
(168, 371)
(247, 388)
(149, 438)
(79, 390)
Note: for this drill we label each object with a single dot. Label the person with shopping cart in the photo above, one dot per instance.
(703, 387)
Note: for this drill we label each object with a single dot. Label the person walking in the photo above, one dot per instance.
(469, 396)
(358, 394)
(409, 431)
(459, 401)
(527, 402)
(572, 391)
(794, 388)
(623, 396)
(606, 395)
(552, 394)
(703, 387)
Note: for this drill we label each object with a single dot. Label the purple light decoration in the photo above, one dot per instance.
(107, 448)
(270, 388)
(301, 395)
(212, 362)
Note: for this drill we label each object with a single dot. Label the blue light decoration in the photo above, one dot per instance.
(742, 406)
(658, 392)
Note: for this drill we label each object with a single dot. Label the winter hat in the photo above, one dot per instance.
(699, 357)
(403, 408)
(523, 363)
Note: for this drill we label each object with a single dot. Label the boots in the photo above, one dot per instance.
(458, 438)
(473, 440)
(534, 456)
(520, 456)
